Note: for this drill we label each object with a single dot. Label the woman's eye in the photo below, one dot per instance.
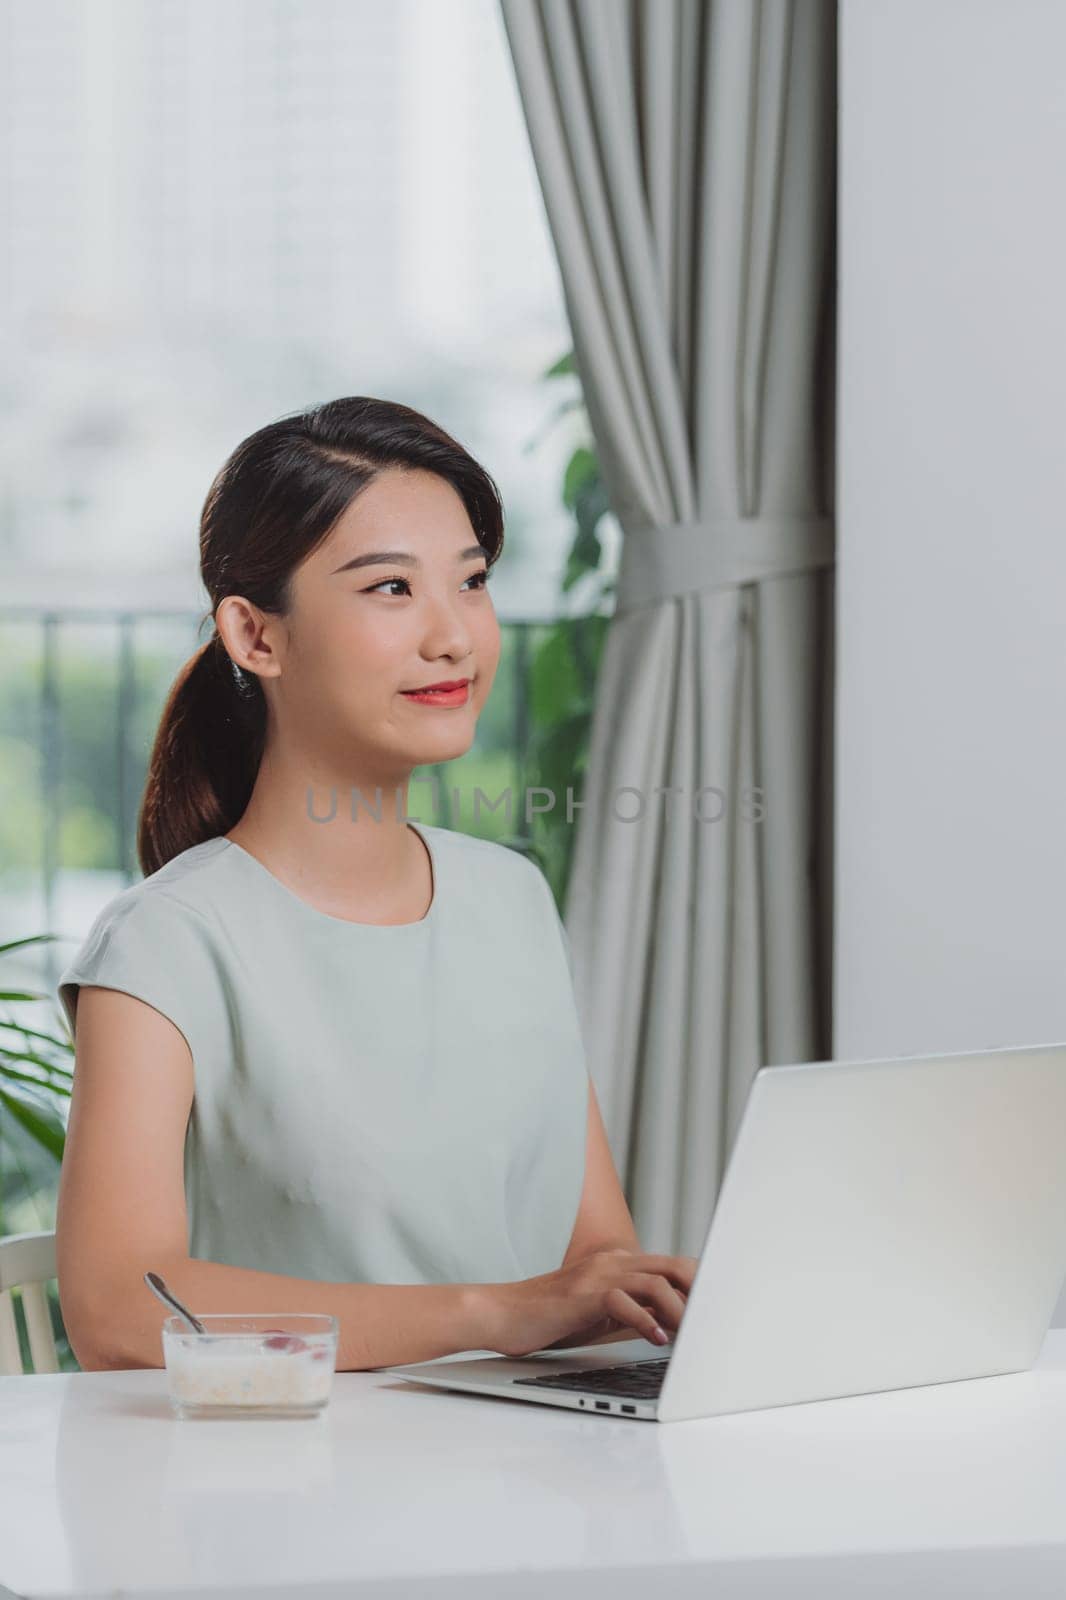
(479, 578)
(375, 587)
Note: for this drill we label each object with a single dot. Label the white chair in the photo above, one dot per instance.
(27, 1262)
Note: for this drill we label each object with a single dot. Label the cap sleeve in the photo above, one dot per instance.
(152, 946)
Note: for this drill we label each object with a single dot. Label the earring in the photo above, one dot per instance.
(242, 679)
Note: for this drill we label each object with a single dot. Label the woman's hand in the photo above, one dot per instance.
(606, 1296)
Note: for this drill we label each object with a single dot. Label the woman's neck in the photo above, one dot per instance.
(347, 850)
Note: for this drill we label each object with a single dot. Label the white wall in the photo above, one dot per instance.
(951, 580)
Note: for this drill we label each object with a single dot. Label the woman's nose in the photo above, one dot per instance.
(445, 631)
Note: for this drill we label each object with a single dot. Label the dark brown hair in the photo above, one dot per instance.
(272, 503)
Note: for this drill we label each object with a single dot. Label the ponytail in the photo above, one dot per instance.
(205, 757)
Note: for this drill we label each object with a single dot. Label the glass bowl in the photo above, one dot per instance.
(278, 1364)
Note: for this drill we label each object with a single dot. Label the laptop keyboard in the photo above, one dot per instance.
(639, 1380)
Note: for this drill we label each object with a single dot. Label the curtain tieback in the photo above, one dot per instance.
(718, 553)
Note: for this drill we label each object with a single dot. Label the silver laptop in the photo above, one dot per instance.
(881, 1224)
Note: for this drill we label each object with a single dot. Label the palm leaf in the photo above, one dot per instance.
(49, 1134)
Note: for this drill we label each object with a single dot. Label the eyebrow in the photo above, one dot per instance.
(403, 558)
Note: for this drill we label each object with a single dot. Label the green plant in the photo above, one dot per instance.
(566, 660)
(35, 1088)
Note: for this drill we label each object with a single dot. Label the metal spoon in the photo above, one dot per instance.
(158, 1287)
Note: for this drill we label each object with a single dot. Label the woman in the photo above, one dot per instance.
(328, 1059)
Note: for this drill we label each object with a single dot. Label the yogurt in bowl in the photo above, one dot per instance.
(277, 1364)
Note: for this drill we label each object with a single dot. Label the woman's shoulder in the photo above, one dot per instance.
(174, 893)
(505, 863)
(153, 939)
(187, 874)
(506, 889)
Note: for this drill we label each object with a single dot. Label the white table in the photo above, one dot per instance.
(404, 1491)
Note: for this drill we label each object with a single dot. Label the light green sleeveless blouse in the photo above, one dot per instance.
(373, 1104)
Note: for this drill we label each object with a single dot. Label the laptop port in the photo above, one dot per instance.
(603, 1405)
(631, 1409)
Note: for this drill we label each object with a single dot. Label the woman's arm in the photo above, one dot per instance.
(604, 1222)
(603, 1219)
(381, 1324)
(121, 1211)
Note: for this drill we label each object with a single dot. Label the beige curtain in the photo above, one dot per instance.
(686, 153)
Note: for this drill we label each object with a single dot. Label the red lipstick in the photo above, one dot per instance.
(455, 692)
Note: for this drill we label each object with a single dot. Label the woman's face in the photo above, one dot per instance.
(414, 611)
